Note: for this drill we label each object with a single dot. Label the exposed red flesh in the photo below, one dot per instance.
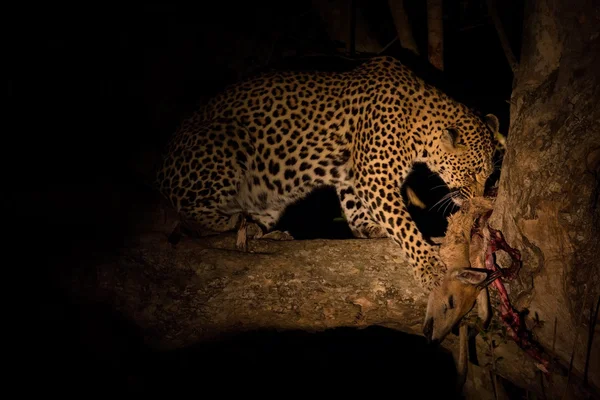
(511, 318)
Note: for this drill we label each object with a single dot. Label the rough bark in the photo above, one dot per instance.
(402, 24)
(203, 288)
(547, 203)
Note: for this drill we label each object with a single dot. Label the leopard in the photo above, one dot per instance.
(266, 142)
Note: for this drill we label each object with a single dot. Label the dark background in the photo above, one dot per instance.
(92, 88)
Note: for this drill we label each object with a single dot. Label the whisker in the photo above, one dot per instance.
(451, 202)
(446, 197)
(445, 203)
(445, 200)
(438, 186)
(445, 208)
(454, 206)
(439, 201)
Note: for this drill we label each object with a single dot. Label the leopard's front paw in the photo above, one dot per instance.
(430, 268)
(437, 266)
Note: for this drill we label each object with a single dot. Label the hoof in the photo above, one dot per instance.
(241, 242)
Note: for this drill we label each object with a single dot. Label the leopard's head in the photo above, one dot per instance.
(463, 155)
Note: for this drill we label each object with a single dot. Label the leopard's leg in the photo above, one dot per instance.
(263, 204)
(359, 218)
(387, 207)
(201, 221)
(200, 181)
(208, 220)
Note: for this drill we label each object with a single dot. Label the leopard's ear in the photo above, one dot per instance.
(499, 139)
(492, 121)
(451, 142)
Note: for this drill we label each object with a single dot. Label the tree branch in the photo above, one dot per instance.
(204, 287)
(402, 24)
(510, 57)
(435, 33)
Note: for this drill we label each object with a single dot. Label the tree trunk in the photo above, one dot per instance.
(435, 33)
(402, 24)
(547, 203)
(337, 17)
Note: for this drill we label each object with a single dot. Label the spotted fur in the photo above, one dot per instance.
(270, 140)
